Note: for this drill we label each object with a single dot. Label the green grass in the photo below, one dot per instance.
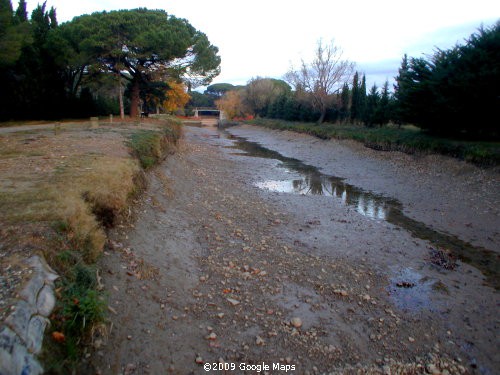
(146, 145)
(150, 146)
(389, 138)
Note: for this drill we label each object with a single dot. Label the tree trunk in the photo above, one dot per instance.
(120, 97)
(322, 117)
(134, 98)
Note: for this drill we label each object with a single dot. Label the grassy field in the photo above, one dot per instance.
(60, 189)
(389, 138)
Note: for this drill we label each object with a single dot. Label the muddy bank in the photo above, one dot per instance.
(444, 193)
(217, 270)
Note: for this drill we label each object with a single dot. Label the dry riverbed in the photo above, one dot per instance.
(215, 270)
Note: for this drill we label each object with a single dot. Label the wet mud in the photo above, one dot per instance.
(232, 259)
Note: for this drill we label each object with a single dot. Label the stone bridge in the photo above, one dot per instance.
(199, 111)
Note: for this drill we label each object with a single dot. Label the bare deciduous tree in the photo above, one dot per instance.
(322, 77)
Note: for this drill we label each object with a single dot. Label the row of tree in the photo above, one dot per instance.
(453, 92)
(110, 62)
(104, 62)
(273, 98)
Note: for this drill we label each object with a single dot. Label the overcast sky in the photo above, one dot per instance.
(265, 37)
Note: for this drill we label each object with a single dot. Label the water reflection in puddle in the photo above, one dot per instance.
(328, 186)
(308, 180)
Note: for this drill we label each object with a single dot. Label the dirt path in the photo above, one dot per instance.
(215, 270)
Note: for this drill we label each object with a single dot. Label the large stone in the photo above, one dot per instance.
(36, 328)
(14, 357)
(31, 290)
(22, 335)
(40, 265)
(46, 301)
(19, 320)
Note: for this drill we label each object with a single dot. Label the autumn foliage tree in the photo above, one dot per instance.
(176, 97)
(233, 104)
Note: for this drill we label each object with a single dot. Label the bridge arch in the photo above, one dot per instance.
(197, 111)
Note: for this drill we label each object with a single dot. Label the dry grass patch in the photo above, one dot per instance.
(59, 191)
(77, 181)
(85, 191)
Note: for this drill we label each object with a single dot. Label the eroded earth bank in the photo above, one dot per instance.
(236, 258)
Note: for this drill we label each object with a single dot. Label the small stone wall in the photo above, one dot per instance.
(21, 336)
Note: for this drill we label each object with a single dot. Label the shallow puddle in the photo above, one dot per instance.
(410, 291)
(308, 180)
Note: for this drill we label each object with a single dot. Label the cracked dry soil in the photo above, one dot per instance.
(215, 270)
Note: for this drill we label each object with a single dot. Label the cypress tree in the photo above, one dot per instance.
(372, 102)
(355, 98)
(21, 12)
(402, 93)
(345, 97)
(362, 98)
(382, 114)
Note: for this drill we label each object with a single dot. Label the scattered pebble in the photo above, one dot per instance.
(212, 336)
(296, 322)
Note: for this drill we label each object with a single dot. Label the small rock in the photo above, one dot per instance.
(405, 284)
(212, 336)
(233, 302)
(340, 292)
(259, 340)
(296, 322)
(432, 369)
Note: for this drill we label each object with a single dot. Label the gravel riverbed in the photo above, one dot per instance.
(214, 269)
